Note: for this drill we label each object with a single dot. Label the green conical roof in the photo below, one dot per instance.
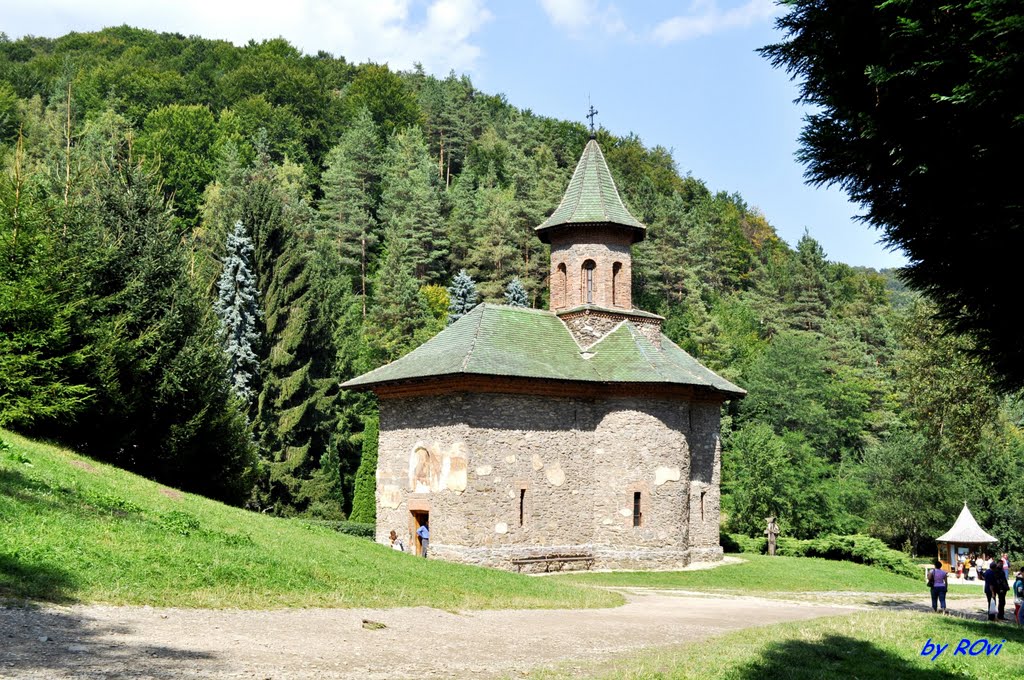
(591, 198)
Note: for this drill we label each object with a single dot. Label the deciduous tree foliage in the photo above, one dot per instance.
(918, 116)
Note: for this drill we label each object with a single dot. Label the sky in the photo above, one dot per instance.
(681, 75)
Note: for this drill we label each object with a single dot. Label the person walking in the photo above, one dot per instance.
(396, 542)
(937, 581)
(996, 587)
(1018, 597)
(424, 533)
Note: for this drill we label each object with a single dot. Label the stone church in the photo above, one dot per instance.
(580, 436)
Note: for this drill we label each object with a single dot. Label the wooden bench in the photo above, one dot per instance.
(552, 560)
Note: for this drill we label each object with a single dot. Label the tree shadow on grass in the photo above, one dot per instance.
(992, 630)
(835, 656)
(24, 579)
(59, 642)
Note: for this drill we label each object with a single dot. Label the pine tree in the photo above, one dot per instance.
(237, 307)
(463, 296)
(493, 254)
(364, 499)
(399, 313)
(515, 294)
(347, 207)
(809, 293)
(410, 206)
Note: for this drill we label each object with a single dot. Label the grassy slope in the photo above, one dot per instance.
(868, 645)
(72, 529)
(760, 573)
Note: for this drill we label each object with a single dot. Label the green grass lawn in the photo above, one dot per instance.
(75, 530)
(759, 574)
(868, 645)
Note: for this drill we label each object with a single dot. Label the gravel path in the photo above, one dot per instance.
(142, 642)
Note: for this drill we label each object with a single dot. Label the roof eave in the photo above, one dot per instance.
(546, 231)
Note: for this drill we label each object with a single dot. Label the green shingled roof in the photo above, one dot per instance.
(591, 197)
(516, 342)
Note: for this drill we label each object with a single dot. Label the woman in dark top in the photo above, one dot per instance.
(995, 588)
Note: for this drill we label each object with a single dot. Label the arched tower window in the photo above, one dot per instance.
(588, 281)
(617, 284)
(560, 286)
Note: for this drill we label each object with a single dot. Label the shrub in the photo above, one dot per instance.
(360, 529)
(853, 548)
(179, 522)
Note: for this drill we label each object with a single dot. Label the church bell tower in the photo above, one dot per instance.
(591, 234)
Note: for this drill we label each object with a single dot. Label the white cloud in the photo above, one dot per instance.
(705, 18)
(580, 17)
(437, 33)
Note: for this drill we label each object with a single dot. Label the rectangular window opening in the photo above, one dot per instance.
(522, 503)
(702, 505)
(637, 515)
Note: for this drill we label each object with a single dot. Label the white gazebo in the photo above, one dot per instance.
(965, 536)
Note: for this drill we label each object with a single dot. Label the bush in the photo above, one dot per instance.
(743, 544)
(853, 548)
(360, 529)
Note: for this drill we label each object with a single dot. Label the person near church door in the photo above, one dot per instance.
(424, 533)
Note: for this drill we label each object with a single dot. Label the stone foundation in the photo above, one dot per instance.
(605, 557)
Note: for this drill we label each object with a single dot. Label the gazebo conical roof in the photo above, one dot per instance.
(591, 198)
(966, 530)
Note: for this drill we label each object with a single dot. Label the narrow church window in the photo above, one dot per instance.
(637, 515)
(560, 283)
(588, 280)
(616, 283)
(522, 502)
(702, 505)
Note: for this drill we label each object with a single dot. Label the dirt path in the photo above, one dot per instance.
(142, 642)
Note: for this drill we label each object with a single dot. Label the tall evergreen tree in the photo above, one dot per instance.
(38, 352)
(364, 501)
(399, 313)
(237, 307)
(348, 204)
(162, 407)
(515, 294)
(410, 206)
(462, 296)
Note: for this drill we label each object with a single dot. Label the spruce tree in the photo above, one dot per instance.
(463, 296)
(515, 294)
(38, 353)
(162, 407)
(364, 499)
(237, 307)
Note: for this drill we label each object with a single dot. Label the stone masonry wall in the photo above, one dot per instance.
(705, 480)
(575, 463)
(587, 329)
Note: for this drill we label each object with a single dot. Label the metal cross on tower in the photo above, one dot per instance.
(591, 117)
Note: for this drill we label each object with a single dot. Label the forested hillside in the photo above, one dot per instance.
(199, 242)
